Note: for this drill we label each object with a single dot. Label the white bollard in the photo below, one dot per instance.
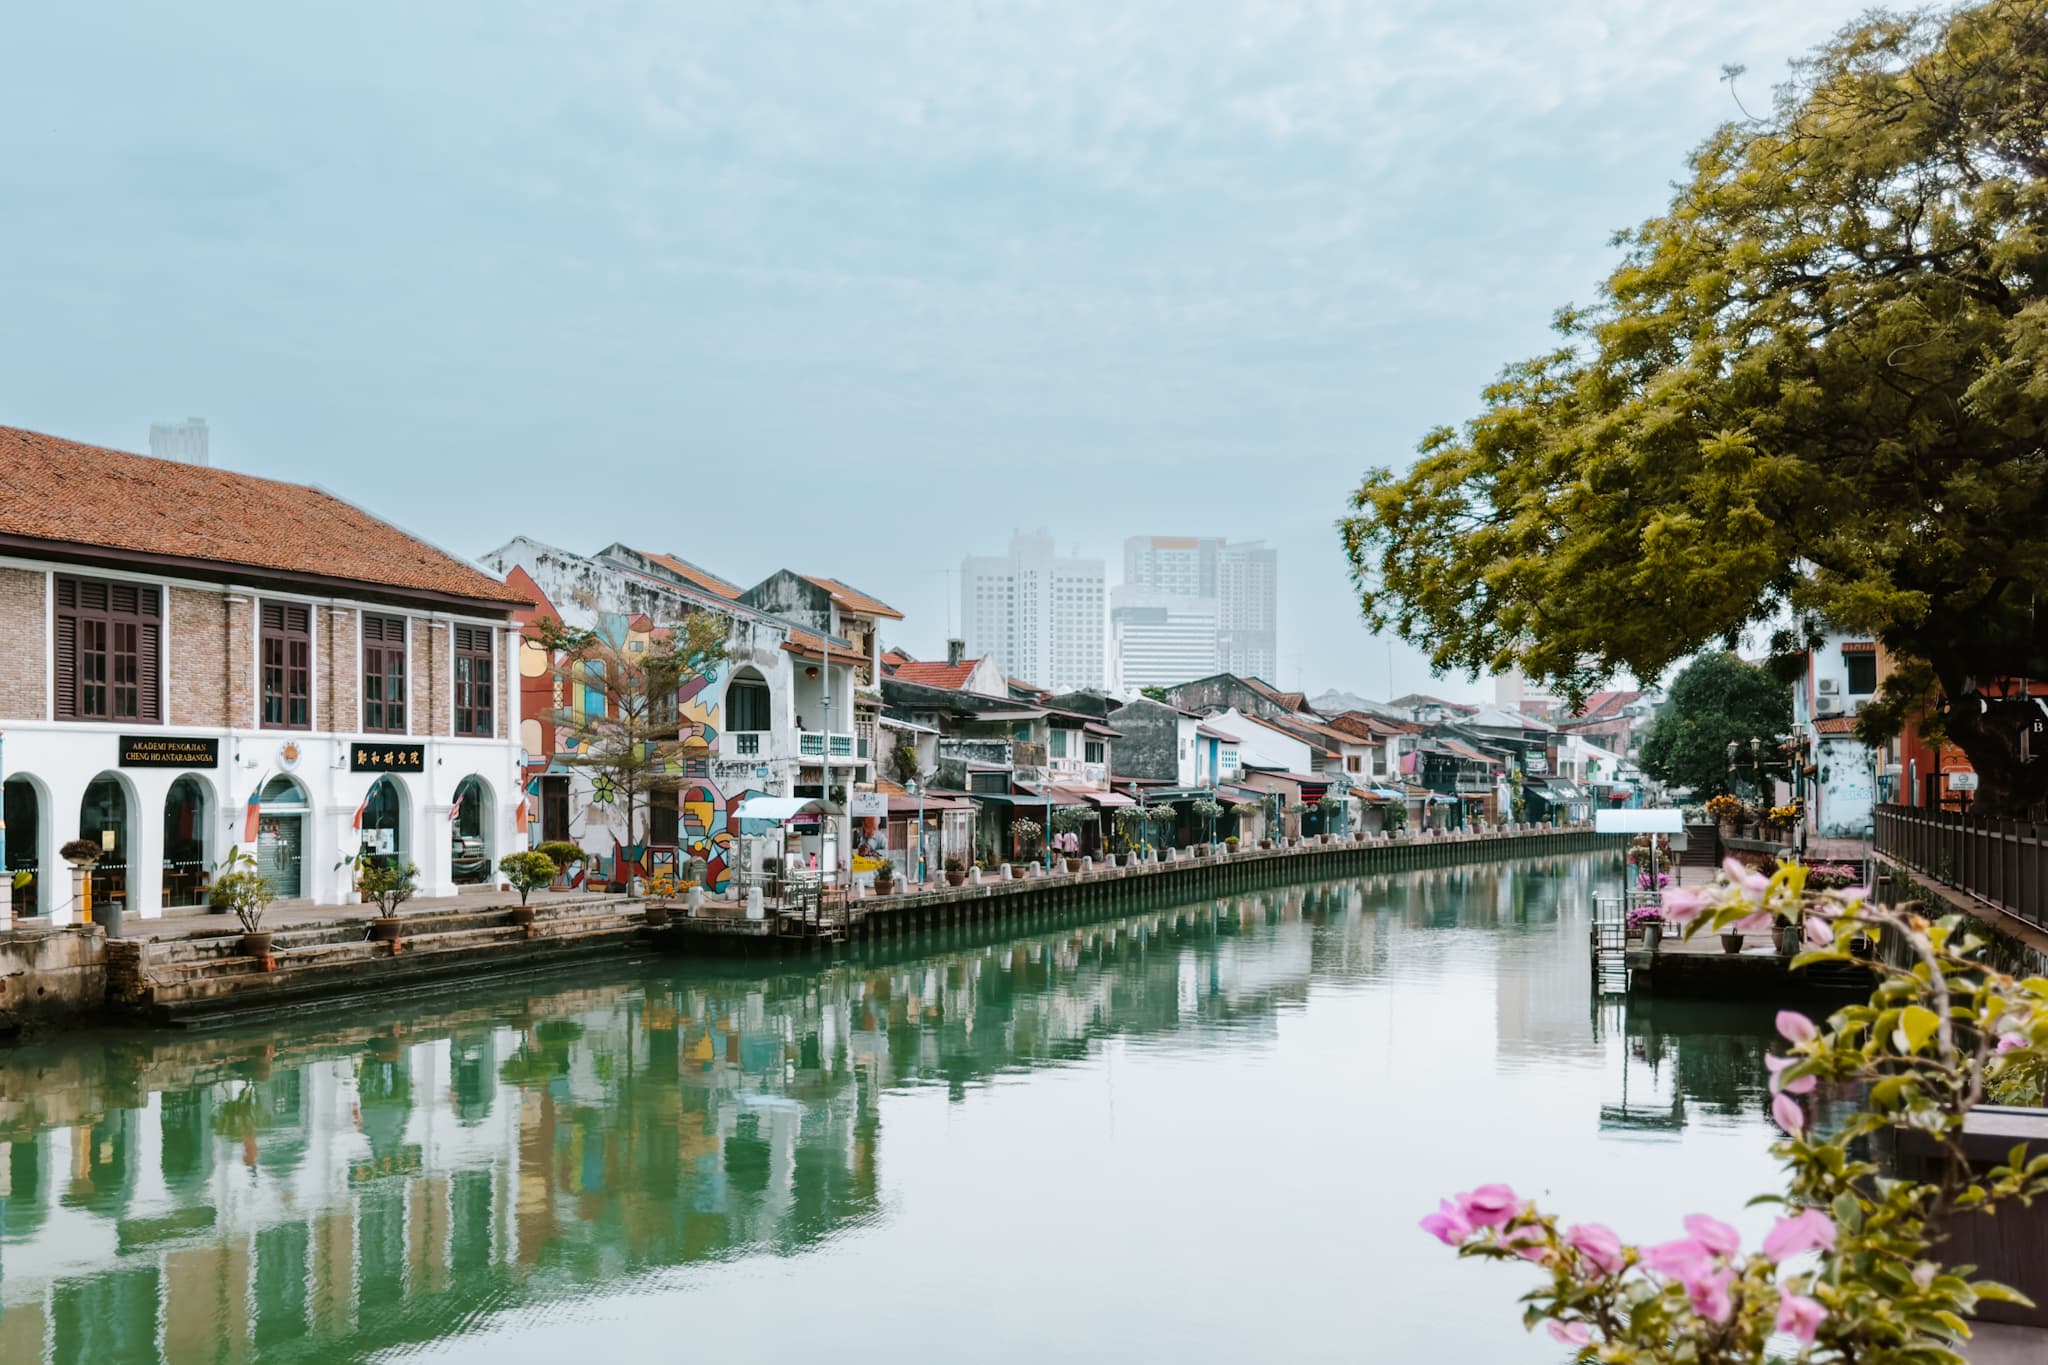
(693, 901)
(1087, 864)
(754, 907)
(1004, 874)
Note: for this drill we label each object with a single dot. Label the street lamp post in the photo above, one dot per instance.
(916, 789)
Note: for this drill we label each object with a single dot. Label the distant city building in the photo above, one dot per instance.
(1158, 639)
(1241, 578)
(184, 441)
(1038, 615)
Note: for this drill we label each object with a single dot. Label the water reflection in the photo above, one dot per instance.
(378, 1183)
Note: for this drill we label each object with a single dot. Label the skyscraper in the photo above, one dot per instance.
(1241, 579)
(184, 440)
(1158, 639)
(1039, 616)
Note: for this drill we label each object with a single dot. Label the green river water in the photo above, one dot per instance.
(1195, 1132)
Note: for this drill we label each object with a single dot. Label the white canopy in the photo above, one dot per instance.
(778, 809)
(1662, 820)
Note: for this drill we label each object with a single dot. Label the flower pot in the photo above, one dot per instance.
(1731, 943)
(1727, 829)
(1073, 864)
(256, 943)
(1265, 843)
(1653, 936)
(1785, 938)
(386, 928)
(1201, 850)
(522, 915)
(657, 914)
(956, 878)
(883, 888)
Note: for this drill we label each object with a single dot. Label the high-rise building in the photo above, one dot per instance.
(185, 441)
(1158, 639)
(1038, 615)
(1241, 578)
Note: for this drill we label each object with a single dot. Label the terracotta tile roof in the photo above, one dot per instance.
(952, 677)
(1603, 704)
(812, 645)
(703, 578)
(893, 659)
(853, 599)
(64, 492)
(1835, 725)
(1286, 701)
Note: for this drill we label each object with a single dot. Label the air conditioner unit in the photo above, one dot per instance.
(1856, 707)
(1828, 686)
(1828, 706)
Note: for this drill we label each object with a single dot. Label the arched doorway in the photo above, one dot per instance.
(469, 833)
(747, 713)
(185, 842)
(103, 820)
(22, 808)
(281, 811)
(383, 821)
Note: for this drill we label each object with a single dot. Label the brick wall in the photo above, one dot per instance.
(340, 676)
(24, 628)
(439, 681)
(197, 668)
(241, 662)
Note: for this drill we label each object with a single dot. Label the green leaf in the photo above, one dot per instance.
(2000, 1293)
(1918, 1024)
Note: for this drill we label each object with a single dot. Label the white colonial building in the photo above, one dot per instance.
(194, 661)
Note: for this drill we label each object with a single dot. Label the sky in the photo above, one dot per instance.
(856, 288)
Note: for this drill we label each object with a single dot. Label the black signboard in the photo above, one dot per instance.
(169, 751)
(365, 757)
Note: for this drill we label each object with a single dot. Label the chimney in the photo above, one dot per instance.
(956, 652)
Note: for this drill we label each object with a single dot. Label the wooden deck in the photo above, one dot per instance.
(1700, 968)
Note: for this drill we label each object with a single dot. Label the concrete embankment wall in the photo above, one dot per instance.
(204, 981)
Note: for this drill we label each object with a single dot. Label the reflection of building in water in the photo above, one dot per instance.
(333, 1191)
(1544, 1005)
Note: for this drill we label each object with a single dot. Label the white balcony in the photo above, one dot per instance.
(745, 744)
(819, 744)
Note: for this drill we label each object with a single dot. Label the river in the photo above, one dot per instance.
(1198, 1132)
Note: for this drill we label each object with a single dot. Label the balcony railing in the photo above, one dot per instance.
(2003, 863)
(816, 743)
(743, 743)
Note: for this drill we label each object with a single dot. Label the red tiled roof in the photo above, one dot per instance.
(1835, 725)
(853, 599)
(68, 493)
(1286, 701)
(952, 677)
(1603, 704)
(1859, 647)
(702, 578)
(893, 659)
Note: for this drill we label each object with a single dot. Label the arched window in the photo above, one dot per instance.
(22, 808)
(383, 822)
(470, 831)
(103, 820)
(747, 709)
(185, 842)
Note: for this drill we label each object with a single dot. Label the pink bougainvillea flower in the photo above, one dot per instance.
(1529, 1243)
(1680, 905)
(1448, 1224)
(1807, 1230)
(1777, 1067)
(1753, 924)
(1818, 933)
(1489, 1206)
(1709, 1295)
(1598, 1244)
(1679, 1260)
(1789, 1115)
(1796, 1028)
(2011, 1041)
(1800, 1316)
(1575, 1334)
(1713, 1234)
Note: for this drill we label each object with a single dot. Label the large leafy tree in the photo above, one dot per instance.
(1814, 391)
(1717, 701)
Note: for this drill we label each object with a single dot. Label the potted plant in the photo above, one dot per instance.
(1726, 810)
(564, 855)
(388, 884)
(885, 879)
(1731, 941)
(1230, 843)
(241, 890)
(1649, 921)
(956, 871)
(527, 872)
(1026, 833)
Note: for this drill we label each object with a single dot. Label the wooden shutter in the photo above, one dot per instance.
(67, 664)
(149, 649)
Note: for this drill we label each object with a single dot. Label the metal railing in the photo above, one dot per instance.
(2003, 863)
(812, 744)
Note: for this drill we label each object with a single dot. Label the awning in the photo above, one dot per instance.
(1060, 796)
(1242, 796)
(1211, 732)
(899, 804)
(1660, 820)
(777, 809)
(1104, 800)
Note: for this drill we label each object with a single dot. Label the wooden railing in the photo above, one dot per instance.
(2003, 863)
